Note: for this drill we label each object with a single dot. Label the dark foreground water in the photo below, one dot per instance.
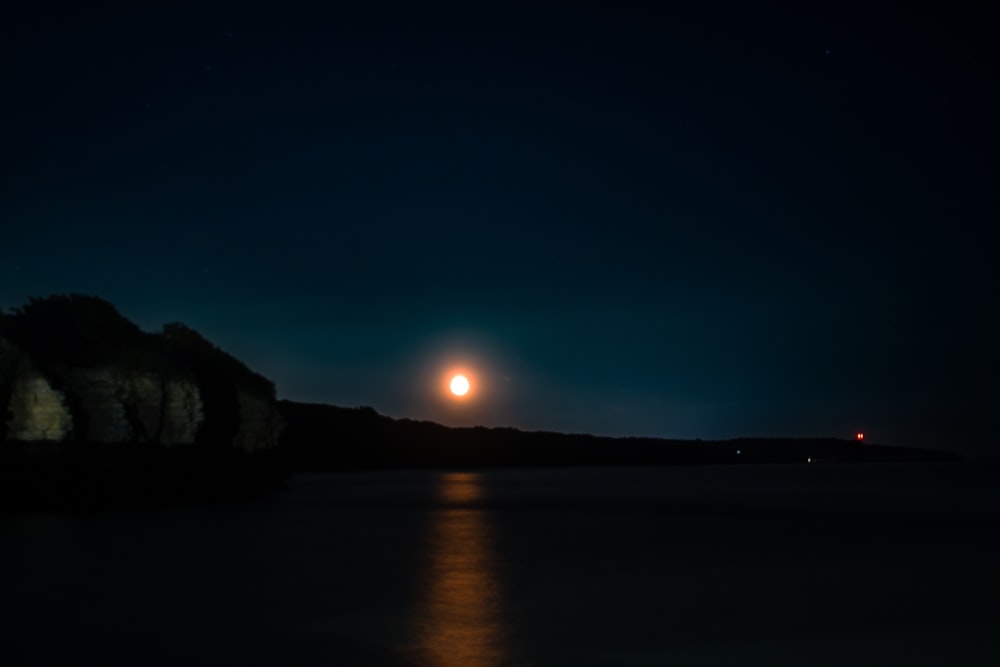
(751, 565)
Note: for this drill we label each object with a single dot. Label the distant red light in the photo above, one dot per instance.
(861, 436)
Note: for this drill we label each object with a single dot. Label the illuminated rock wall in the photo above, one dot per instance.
(118, 403)
(105, 415)
(36, 411)
(183, 412)
(130, 407)
(140, 407)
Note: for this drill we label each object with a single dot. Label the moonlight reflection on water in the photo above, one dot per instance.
(712, 565)
(458, 622)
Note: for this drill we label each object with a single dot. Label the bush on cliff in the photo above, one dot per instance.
(74, 331)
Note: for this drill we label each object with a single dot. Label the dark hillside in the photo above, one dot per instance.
(324, 437)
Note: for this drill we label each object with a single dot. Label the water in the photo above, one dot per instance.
(750, 565)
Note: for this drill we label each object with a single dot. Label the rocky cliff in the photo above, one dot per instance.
(74, 370)
(35, 411)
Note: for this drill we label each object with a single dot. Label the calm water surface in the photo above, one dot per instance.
(749, 565)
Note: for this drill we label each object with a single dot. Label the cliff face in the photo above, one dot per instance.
(116, 405)
(121, 385)
(123, 406)
(36, 412)
(260, 423)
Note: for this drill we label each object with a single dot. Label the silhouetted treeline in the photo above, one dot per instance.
(325, 437)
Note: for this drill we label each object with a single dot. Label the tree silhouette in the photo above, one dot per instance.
(72, 330)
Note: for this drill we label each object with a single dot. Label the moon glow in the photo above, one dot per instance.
(459, 385)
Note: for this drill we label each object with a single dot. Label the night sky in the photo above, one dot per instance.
(709, 221)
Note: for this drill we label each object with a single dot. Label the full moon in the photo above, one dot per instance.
(459, 385)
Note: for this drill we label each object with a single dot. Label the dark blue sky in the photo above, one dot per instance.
(706, 222)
